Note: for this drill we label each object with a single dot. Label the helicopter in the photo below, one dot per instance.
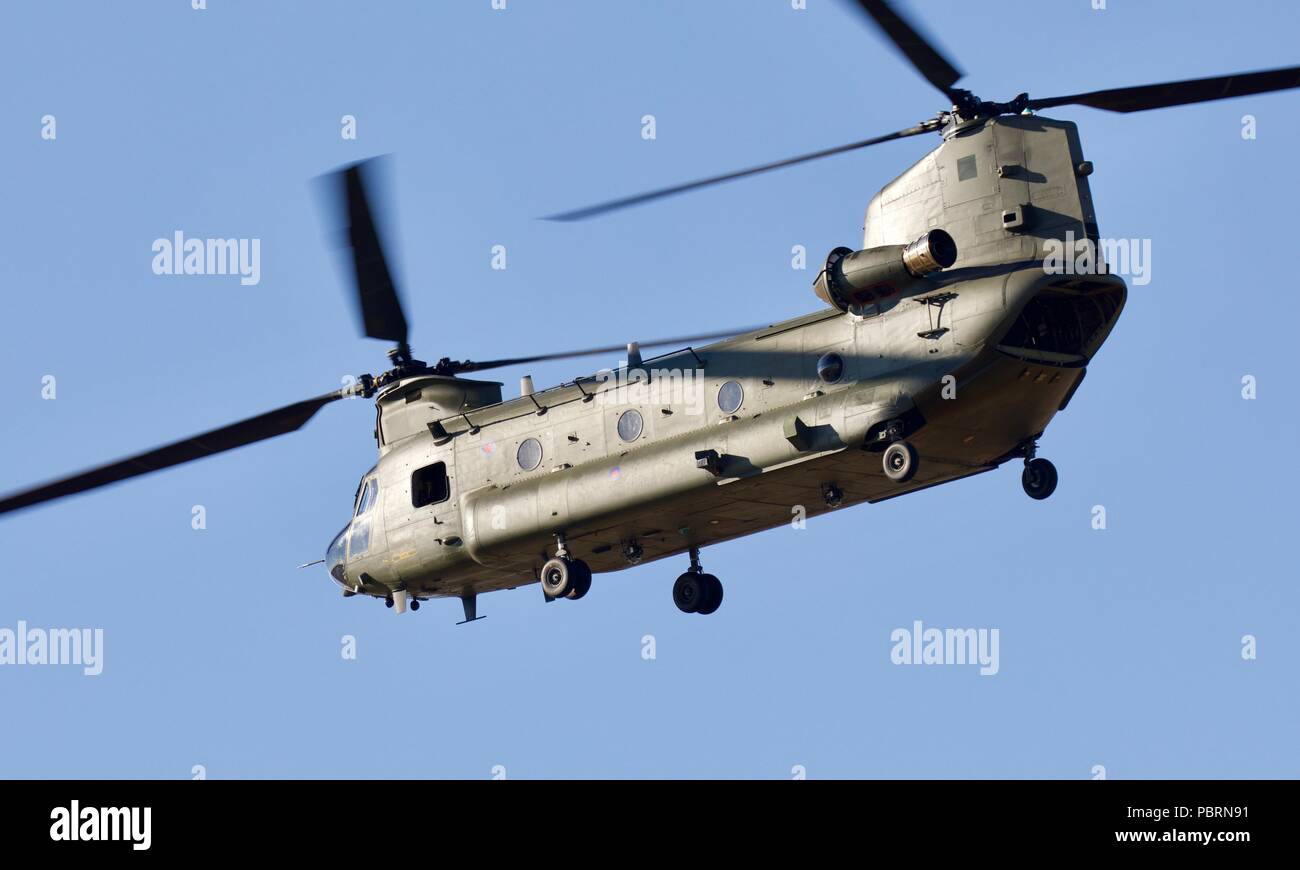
(942, 349)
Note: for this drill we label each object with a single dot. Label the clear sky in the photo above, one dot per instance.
(1119, 647)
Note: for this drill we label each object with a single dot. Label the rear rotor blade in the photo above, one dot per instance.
(278, 422)
(381, 309)
(469, 366)
(1180, 93)
(936, 68)
(640, 198)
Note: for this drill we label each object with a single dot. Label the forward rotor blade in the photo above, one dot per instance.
(1181, 93)
(638, 199)
(377, 299)
(278, 422)
(469, 366)
(936, 68)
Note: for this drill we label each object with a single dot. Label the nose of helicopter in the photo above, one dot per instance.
(336, 558)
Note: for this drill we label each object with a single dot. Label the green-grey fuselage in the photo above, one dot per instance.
(973, 361)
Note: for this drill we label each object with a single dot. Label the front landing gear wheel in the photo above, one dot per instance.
(580, 582)
(697, 593)
(899, 461)
(1038, 478)
(557, 577)
(712, 599)
(688, 592)
(566, 578)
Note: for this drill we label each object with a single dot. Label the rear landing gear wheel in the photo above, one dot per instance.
(1038, 478)
(415, 604)
(388, 602)
(899, 461)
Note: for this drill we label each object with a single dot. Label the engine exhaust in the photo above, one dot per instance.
(853, 279)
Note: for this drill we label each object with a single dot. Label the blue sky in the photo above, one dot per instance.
(1119, 647)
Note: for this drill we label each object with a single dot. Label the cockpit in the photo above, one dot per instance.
(354, 539)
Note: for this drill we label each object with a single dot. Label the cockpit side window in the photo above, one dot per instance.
(369, 494)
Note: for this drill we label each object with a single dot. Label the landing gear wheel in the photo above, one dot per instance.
(688, 592)
(415, 604)
(388, 602)
(1038, 478)
(557, 577)
(899, 461)
(580, 582)
(697, 593)
(712, 598)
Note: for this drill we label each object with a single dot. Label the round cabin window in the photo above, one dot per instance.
(830, 367)
(529, 454)
(730, 396)
(630, 425)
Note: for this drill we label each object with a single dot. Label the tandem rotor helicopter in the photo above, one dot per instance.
(472, 493)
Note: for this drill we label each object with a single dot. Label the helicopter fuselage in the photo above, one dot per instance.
(775, 426)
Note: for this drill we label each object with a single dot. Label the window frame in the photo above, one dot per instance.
(640, 425)
(446, 485)
(718, 398)
(824, 359)
(367, 496)
(541, 454)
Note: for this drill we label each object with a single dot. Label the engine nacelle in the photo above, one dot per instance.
(852, 279)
